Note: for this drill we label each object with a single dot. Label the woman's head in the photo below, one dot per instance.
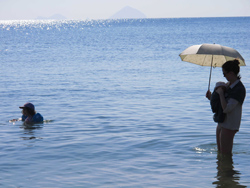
(232, 67)
(28, 109)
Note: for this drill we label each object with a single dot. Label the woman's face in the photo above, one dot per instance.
(226, 74)
(25, 112)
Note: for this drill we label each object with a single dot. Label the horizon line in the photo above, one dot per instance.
(88, 19)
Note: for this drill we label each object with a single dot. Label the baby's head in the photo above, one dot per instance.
(223, 85)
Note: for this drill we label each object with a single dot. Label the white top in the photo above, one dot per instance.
(233, 113)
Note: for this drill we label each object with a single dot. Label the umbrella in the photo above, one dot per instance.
(213, 55)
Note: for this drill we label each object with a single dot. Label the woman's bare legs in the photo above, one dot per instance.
(225, 139)
(218, 131)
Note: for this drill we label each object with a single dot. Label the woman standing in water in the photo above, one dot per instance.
(231, 103)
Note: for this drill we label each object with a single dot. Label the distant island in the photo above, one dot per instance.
(125, 13)
(128, 12)
(53, 17)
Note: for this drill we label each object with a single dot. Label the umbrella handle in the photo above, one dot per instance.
(210, 74)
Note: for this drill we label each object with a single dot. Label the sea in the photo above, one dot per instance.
(120, 108)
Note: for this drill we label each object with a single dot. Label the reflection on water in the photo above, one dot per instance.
(31, 126)
(29, 130)
(227, 177)
(30, 138)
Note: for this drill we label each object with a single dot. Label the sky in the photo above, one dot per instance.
(104, 9)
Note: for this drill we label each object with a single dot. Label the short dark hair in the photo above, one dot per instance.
(232, 66)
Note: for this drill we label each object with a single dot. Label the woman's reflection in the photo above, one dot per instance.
(29, 131)
(227, 177)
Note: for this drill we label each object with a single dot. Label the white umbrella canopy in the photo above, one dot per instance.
(213, 55)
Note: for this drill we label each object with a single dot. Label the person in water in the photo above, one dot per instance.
(215, 103)
(29, 114)
(231, 103)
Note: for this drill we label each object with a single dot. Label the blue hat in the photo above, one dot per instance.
(28, 105)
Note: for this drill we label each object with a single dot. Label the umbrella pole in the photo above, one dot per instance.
(210, 74)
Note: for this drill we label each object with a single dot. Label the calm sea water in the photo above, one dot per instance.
(121, 109)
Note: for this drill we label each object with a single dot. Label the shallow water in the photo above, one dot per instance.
(121, 108)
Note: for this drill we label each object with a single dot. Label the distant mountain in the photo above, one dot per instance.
(53, 17)
(128, 12)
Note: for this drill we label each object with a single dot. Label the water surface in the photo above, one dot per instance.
(121, 108)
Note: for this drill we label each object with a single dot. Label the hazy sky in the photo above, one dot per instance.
(103, 9)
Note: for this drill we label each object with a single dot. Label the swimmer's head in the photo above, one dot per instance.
(28, 109)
